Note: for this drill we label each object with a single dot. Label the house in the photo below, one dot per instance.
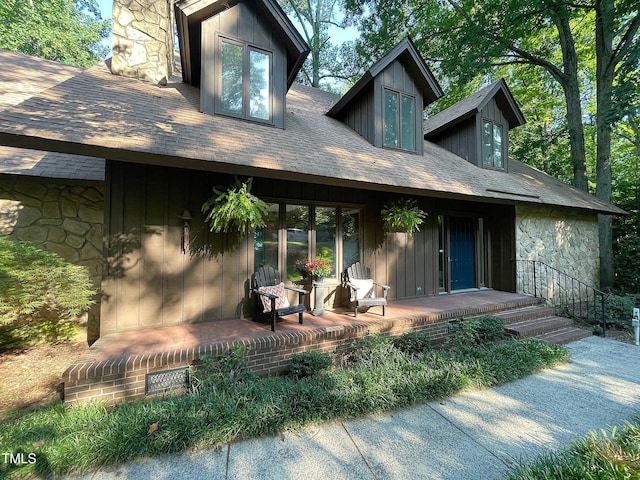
(155, 142)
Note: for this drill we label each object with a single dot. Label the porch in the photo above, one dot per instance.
(116, 366)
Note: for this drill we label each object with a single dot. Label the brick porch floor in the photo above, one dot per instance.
(180, 337)
(116, 365)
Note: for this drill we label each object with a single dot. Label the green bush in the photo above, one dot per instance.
(478, 331)
(39, 290)
(627, 264)
(414, 343)
(309, 364)
(223, 372)
(619, 310)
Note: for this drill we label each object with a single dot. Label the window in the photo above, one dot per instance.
(492, 145)
(296, 232)
(245, 81)
(399, 120)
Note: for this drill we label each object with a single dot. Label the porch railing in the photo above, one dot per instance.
(571, 296)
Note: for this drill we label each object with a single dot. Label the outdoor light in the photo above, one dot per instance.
(186, 219)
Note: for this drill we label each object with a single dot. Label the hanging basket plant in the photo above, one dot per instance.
(235, 209)
(402, 216)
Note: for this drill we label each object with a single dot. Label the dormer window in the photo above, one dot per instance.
(399, 120)
(245, 80)
(492, 145)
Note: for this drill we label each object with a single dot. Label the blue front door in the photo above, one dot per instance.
(462, 253)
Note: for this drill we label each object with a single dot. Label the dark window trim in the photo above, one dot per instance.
(282, 230)
(502, 146)
(399, 94)
(247, 48)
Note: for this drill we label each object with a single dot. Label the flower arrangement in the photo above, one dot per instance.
(315, 268)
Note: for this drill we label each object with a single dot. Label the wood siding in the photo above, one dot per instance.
(242, 23)
(365, 114)
(150, 282)
(462, 140)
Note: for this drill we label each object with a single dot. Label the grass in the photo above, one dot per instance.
(229, 403)
(610, 455)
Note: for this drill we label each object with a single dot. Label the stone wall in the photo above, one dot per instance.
(564, 239)
(143, 39)
(60, 218)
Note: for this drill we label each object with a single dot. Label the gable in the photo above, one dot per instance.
(190, 15)
(477, 127)
(385, 105)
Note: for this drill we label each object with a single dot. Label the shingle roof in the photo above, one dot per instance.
(95, 113)
(22, 77)
(469, 106)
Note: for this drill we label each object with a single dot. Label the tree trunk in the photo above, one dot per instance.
(571, 87)
(605, 73)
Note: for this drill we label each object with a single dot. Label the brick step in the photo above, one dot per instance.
(565, 335)
(539, 326)
(532, 312)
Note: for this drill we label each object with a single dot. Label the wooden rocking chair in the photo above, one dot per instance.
(271, 297)
(362, 289)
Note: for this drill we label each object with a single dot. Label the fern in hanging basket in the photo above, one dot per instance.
(235, 209)
(402, 216)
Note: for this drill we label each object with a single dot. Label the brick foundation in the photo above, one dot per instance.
(123, 379)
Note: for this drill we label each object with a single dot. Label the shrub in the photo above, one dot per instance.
(39, 289)
(368, 349)
(627, 264)
(478, 331)
(414, 343)
(309, 364)
(222, 372)
(619, 309)
(487, 328)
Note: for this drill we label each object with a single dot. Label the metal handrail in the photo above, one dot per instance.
(576, 298)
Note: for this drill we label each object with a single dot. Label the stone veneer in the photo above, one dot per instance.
(562, 238)
(143, 39)
(61, 218)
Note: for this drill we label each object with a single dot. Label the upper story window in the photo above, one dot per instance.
(492, 145)
(399, 120)
(245, 81)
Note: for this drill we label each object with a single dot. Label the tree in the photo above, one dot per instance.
(477, 37)
(467, 38)
(66, 31)
(617, 50)
(326, 60)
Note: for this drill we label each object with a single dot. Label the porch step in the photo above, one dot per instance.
(539, 326)
(565, 335)
(533, 312)
(542, 323)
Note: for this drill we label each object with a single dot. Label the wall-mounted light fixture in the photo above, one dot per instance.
(186, 221)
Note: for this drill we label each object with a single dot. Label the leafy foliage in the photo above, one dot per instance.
(309, 364)
(610, 455)
(402, 216)
(236, 406)
(235, 209)
(414, 343)
(67, 31)
(36, 285)
(328, 63)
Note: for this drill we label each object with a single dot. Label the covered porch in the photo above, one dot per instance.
(117, 364)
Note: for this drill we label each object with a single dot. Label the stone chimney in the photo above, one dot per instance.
(143, 39)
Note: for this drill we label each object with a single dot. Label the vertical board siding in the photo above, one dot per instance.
(150, 282)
